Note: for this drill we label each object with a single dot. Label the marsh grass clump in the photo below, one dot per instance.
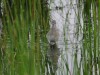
(25, 24)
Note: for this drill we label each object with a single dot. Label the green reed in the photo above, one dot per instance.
(90, 38)
(24, 23)
(23, 43)
(90, 49)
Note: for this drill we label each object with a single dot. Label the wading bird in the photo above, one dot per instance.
(53, 34)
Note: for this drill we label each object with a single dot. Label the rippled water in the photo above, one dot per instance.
(66, 13)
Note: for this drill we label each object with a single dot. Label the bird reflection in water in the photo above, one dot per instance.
(53, 52)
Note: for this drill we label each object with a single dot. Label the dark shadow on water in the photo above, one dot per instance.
(52, 57)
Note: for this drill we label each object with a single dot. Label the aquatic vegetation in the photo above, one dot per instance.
(24, 48)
